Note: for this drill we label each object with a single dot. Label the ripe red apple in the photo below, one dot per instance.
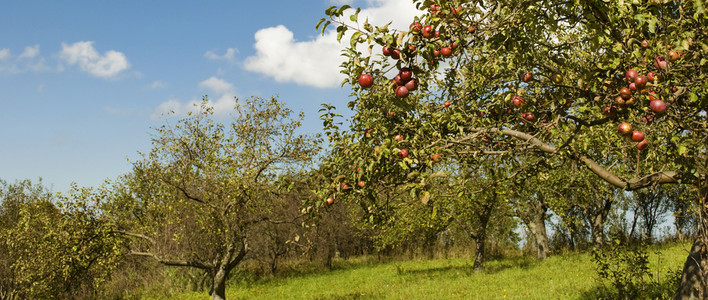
(641, 81)
(658, 106)
(529, 116)
(345, 186)
(624, 128)
(415, 26)
(401, 91)
(637, 136)
(398, 80)
(387, 50)
(619, 101)
(436, 157)
(631, 74)
(645, 43)
(447, 104)
(453, 45)
(651, 76)
(625, 93)
(517, 101)
(405, 74)
(673, 55)
(398, 137)
(642, 144)
(403, 153)
(428, 31)
(395, 53)
(412, 84)
(366, 80)
(446, 51)
(660, 63)
(436, 52)
(527, 77)
(632, 86)
(330, 200)
(361, 184)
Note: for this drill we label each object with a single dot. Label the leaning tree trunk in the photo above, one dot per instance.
(537, 226)
(693, 279)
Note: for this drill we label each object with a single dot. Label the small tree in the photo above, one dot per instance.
(193, 199)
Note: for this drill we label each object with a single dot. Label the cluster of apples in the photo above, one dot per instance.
(637, 136)
(404, 82)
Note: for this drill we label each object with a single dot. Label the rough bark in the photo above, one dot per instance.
(231, 258)
(537, 226)
(598, 216)
(480, 236)
(693, 278)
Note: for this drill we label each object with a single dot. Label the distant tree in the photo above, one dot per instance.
(195, 198)
(54, 247)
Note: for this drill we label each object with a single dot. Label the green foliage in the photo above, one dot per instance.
(54, 251)
(627, 269)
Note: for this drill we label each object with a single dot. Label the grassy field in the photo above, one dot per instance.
(569, 276)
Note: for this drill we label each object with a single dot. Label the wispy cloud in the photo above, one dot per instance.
(229, 56)
(30, 52)
(4, 54)
(221, 97)
(83, 54)
(315, 62)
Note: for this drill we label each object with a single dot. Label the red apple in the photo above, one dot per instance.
(436, 157)
(527, 77)
(642, 144)
(625, 93)
(361, 184)
(658, 106)
(387, 50)
(529, 116)
(330, 200)
(624, 128)
(436, 52)
(645, 43)
(405, 74)
(366, 80)
(395, 53)
(517, 101)
(673, 55)
(641, 81)
(403, 153)
(447, 104)
(428, 31)
(631, 74)
(632, 86)
(345, 186)
(651, 76)
(660, 63)
(398, 137)
(401, 92)
(446, 51)
(415, 26)
(412, 84)
(637, 136)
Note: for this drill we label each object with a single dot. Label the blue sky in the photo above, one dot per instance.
(82, 83)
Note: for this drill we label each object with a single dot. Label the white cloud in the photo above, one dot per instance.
(30, 52)
(222, 99)
(83, 54)
(4, 54)
(316, 62)
(229, 56)
(157, 84)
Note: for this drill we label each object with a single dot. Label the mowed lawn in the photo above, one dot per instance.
(569, 276)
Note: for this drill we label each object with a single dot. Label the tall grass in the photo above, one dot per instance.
(568, 276)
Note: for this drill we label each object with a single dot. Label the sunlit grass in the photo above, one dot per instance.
(569, 276)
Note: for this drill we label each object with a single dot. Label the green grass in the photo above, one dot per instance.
(569, 276)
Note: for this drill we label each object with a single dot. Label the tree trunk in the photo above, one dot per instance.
(480, 237)
(537, 226)
(598, 216)
(232, 257)
(693, 279)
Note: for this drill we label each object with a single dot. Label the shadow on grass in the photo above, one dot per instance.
(490, 267)
(350, 295)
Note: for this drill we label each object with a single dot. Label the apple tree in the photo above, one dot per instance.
(594, 82)
(196, 198)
